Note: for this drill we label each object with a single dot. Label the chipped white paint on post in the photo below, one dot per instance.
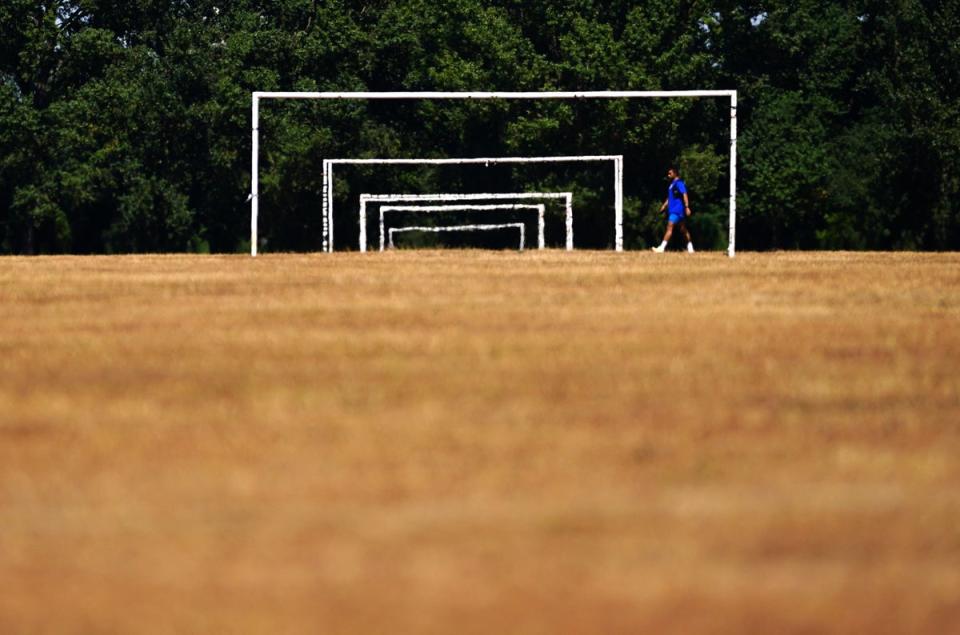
(618, 203)
(254, 175)
(452, 228)
(732, 248)
(539, 207)
(327, 193)
(479, 196)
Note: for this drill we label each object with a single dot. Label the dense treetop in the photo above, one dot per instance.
(125, 125)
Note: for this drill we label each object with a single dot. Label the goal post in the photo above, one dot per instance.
(257, 96)
(540, 208)
(616, 160)
(566, 197)
(458, 228)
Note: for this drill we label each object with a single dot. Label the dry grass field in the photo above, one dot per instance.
(480, 442)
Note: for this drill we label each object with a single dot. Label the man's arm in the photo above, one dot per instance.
(664, 206)
(686, 204)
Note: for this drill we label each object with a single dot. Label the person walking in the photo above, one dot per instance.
(677, 205)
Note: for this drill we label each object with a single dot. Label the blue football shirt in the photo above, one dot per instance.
(675, 197)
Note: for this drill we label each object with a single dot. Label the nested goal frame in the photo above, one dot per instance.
(540, 208)
(566, 197)
(616, 160)
(599, 94)
(453, 228)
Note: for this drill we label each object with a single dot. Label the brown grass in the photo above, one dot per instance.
(477, 442)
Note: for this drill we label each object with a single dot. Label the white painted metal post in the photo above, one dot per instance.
(618, 201)
(541, 225)
(323, 206)
(568, 215)
(363, 226)
(330, 206)
(732, 249)
(363, 223)
(254, 174)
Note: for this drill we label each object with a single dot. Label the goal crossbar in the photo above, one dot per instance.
(556, 94)
(566, 197)
(539, 208)
(257, 96)
(453, 228)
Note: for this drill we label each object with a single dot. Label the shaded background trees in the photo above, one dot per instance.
(124, 126)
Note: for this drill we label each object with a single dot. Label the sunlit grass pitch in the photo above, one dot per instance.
(469, 441)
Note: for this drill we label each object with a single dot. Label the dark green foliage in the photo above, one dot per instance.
(125, 125)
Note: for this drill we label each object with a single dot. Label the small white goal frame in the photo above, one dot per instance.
(540, 209)
(451, 228)
(615, 159)
(566, 197)
(596, 94)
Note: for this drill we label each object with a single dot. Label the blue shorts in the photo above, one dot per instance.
(676, 218)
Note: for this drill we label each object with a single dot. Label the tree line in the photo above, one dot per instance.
(125, 124)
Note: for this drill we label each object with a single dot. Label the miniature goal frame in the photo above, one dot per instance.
(539, 208)
(615, 159)
(257, 96)
(453, 228)
(567, 198)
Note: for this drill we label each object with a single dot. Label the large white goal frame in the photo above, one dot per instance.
(328, 164)
(454, 228)
(540, 208)
(566, 197)
(598, 94)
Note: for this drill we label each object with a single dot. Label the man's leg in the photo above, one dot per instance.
(666, 239)
(686, 234)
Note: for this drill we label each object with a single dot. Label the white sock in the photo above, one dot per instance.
(690, 247)
(663, 245)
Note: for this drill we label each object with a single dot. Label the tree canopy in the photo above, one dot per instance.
(125, 126)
